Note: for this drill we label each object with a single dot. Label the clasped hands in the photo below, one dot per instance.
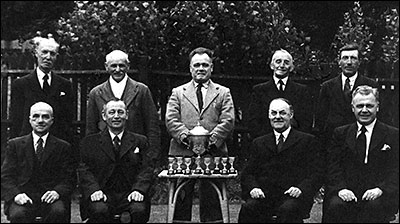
(99, 195)
(48, 197)
(371, 194)
(292, 191)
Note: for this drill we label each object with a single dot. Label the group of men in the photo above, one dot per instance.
(354, 155)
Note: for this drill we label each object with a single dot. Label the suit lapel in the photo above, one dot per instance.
(106, 92)
(337, 88)
(292, 138)
(378, 135)
(270, 143)
(212, 93)
(35, 85)
(127, 143)
(51, 144)
(189, 93)
(106, 145)
(27, 145)
(130, 91)
(351, 138)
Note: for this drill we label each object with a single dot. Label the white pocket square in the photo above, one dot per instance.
(62, 94)
(136, 150)
(385, 147)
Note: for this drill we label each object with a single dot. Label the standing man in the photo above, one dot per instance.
(283, 172)
(137, 97)
(43, 85)
(38, 173)
(334, 104)
(200, 101)
(116, 172)
(363, 166)
(281, 85)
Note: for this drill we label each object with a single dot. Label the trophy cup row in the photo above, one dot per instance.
(206, 165)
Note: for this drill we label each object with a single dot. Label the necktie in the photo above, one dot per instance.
(46, 86)
(361, 143)
(280, 143)
(39, 149)
(199, 96)
(347, 89)
(280, 85)
(117, 144)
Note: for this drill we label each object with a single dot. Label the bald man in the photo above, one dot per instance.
(46, 86)
(283, 172)
(37, 176)
(143, 117)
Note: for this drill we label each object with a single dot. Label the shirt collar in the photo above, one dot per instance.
(113, 135)
(285, 133)
(352, 78)
(123, 81)
(284, 80)
(36, 138)
(369, 127)
(41, 74)
(205, 84)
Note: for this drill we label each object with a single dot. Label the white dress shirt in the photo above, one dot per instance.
(285, 135)
(368, 135)
(203, 89)
(352, 80)
(284, 80)
(118, 87)
(40, 75)
(36, 139)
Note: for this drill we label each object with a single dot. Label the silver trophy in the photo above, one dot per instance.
(224, 161)
(171, 161)
(179, 161)
(232, 170)
(207, 162)
(187, 161)
(216, 163)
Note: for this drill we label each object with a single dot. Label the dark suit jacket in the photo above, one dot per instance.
(26, 91)
(143, 118)
(58, 167)
(98, 162)
(297, 165)
(345, 165)
(333, 109)
(299, 96)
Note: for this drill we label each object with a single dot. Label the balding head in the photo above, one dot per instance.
(116, 55)
(41, 118)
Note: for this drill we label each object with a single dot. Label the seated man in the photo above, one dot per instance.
(283, 173)
(363, 166)
(37, 176)
(115, 171)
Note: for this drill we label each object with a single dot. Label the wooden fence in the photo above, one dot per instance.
(161, 84)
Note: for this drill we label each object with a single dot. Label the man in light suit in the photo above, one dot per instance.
(200, 101)
(281, 85)
(43, 85)
(38, 173)
(115, 171)
(143, 117)
(283, 173)
(363, 166)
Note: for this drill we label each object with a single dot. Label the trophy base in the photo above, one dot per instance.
(216, 172)
(178, 172)
(187, 172)
(224, 172)
(207, 172)
(198, 172)
(170, 172)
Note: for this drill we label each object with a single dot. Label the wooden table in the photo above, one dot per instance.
(174, 188)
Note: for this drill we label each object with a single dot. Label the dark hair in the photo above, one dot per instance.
(286, 101)
(350, 47)
(201, 50)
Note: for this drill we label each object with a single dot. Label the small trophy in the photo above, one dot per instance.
(207, 162)
(198, 169)
(224, 170)
(187, 161)
(179, 161)
(171, 160)
(216, 162)
(232, 170)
